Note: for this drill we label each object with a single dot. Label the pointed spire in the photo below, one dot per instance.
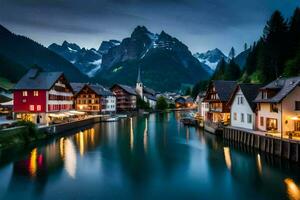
(139, 76)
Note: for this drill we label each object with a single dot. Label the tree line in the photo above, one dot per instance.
(276, 54)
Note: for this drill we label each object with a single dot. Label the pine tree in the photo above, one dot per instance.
(220, 70)
(231, 53)
(274, 52)
(294, 32)
(232, 71)
(245, 46)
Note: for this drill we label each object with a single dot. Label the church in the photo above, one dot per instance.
(145, 93)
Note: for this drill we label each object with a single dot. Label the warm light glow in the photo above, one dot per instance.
(70, 158)
(293, 190)
(227, 157)
(295, 118)
(81, 143)
(145, 135)
(33, 162)
(131, 135)
(259, 166)
(61, 148)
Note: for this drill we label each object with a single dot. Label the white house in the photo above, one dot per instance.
(202, 106)
(278, 106)
(242, 112)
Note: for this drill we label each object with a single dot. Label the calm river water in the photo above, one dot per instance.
(152, 157)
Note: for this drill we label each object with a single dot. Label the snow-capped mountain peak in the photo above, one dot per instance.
(211, 58)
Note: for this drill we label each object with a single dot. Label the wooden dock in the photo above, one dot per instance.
(285, 148)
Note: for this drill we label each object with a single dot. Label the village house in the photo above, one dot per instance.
(38, 96)
(242, 107)
(278, 106)
(202, 106)
(147, 94)
(217, 96)
(93, 98)
(126, 97)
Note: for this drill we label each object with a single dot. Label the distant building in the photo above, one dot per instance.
(242, 107)
(147, 94)
(278, 107)
(39, 94)
(180, 102)
(93, 98)
(126, 97)
(217, 96)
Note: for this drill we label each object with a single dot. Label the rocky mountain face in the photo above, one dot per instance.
(165, 62)
(211, 58)
(19, 53)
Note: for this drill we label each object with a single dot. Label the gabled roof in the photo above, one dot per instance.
(149, 96)
(100, 90)
(249, 91)
(224, 89)
(282, 86)
(148, 90)
(36, 80)
(127, 88)
(77, 86)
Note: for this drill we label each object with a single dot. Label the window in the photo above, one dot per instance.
(235, 116)
(297, 125)
(261, 120)
(264, 94)
(24, 93)
(31, 107)
(240, 100)
(242, 117)
(35, 93)
(297, 105)
(258, 106)
(38, 107)
(273, 107)
(249, 118)
(271, 124)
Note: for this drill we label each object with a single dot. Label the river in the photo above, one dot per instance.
(152, 157)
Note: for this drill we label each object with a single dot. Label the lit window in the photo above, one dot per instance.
(24, 93)
(35, 93)
(38, 107)
(31, 107)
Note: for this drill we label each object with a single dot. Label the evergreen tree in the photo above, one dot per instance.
(294, 33)
(232, 71)
(161, 103)
(271, 58)
(231, 53)
(220, 70)
(245, 46)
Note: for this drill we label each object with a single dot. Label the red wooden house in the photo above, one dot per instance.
(38, 94)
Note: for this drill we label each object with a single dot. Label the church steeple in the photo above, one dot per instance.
(139, 76)
(139, 84)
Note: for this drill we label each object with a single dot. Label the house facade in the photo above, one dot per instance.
(242, 107)
(278, 106)
(217, 96)
(38, 94)
(202, 106)
(126, 97)
(93, 98)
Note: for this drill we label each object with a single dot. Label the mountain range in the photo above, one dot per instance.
(19, 53)
(165, 62)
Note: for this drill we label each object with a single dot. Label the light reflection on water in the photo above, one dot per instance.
(152, 157)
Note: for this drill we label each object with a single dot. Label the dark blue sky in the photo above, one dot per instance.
(201, 24)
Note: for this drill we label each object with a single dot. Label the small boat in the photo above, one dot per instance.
(188, 121)
(122, 116)
(111, 119)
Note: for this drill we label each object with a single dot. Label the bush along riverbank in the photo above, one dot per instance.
(24, 133)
